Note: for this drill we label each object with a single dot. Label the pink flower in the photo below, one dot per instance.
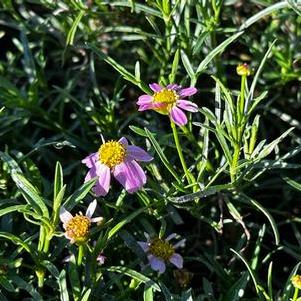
(118, 158)
(169, 101)
(77, 228)
(159, 251)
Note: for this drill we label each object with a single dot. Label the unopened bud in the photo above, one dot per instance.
(243, 69)
(296, 281)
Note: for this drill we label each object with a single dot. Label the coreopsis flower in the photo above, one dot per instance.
(160, 251)
(77, 228)
(120, 159)
(296, 281)
(169, 101)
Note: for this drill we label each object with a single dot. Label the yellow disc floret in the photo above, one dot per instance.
(161, 249)
(167, 96)
(78, 228)
(111, 153)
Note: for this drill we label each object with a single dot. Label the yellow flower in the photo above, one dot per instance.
(296, 281)
(243, 69)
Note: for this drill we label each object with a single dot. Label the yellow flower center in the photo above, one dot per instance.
(78, 228)
(296, 281)
(111, 153)
(161, 249)
(167, 96)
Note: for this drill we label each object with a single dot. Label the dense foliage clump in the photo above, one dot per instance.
(150, 150)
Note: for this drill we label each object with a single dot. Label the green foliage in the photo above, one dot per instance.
(228, 181)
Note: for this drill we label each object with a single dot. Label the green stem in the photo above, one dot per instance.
(242, 97)
(189, 176)
(295, 297)
(239, 128)
(234, 163)
(40, 274)
(80, 255)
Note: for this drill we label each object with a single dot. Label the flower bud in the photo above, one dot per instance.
(296, 281)
(243, 69)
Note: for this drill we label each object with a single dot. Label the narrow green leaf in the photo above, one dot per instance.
(72, 31)
(187, 65)
(74, 278)
(51, 268)
(12, 164)
(138, 131)
(79, 194)
(251, 272)
(161, 155)
(220, 48)
(6, 284)
(288, 287)
(125, 221)
(14, 208)
(292, 183)
(270, 277)
(266, 213)
(17, 241)
(174, 69)
(201, 194)
(270, 147)
(58, 179)
(199, 42)
(226, 94)
(254, 82)
(237, 290)
(135, 275)
(86, 295)
(148, 292)
(31, 194)
(64, 296)
(20, 283)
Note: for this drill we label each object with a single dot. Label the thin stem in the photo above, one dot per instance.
(40, 274)
(189, 176)
(295, 297)
(239, 128)
(234, 163)
(242, 94)
(80, 255)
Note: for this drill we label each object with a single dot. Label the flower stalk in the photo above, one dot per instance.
(243, 71)
(80, 255)
(189, 176)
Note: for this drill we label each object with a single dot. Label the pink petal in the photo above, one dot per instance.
(187, 105)
(65, 216)
(177, 260)
(144, 245)
(173, 87)
(178, 116)
(90, 160)
(104, 178)
(145, 107)
(180, 243)
(155, 87)
(137, 153)
(144, 99)
(130, 175)
(123, 141)
(188, 91)
(91, 208)
(170, 236)
(91, 174)
(156, 264)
